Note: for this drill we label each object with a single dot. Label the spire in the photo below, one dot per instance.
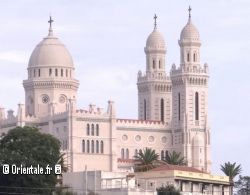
(155, 24)
(50, 26)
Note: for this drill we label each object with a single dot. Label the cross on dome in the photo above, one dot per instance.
(50, 22)
(155, 24)
(189, 10)
(50, 26)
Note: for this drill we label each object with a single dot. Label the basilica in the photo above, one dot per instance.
(172, 107)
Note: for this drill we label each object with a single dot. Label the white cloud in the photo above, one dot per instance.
(14, 56)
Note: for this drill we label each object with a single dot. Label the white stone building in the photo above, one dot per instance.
(172, 107)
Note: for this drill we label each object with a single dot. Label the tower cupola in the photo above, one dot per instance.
(189, 44)
(155, 51)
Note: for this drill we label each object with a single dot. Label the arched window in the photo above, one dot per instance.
(188, 57)
(39, 72)
(145, 110)
(194, 57)
(66, 72)
(127, 153)
(196, 106)
(102, 147)
(97, 130)
(88, 129)
(56, 72)
(153, 64)
(83, 146)
(97, 146)
(166, 154)
(88, 146)
(159, 64)
(162, 155)
(92, 146)
(136, 152)
(140, 151)
(92, 129)
(122, 153)
(162, 110)
(179, 106)
(61, 72)
(50, 72)
(34, 72)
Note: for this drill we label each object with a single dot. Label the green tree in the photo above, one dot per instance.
(175, 158)
(146, 160)
(243, 185)
(231, 170)
(167, 190)
(27, 146)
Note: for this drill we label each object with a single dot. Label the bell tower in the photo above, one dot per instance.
(154, 86)
(190, 105)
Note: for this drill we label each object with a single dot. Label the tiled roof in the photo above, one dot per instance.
(168, 167)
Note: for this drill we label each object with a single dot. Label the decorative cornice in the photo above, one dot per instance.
(92, 119)
(71, 84)
(143, 129)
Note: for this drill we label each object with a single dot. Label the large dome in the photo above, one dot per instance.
(50, 52)
(155, 40)
(190, 32)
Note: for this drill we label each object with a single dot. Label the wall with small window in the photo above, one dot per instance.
(49, 72)
(92, 146)
(92, 129)
(124, 153)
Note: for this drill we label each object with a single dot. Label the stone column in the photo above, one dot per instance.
(190, 187)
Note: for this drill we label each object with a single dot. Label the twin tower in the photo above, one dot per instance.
(178, 99)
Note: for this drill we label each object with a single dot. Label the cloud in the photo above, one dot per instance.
(14, 57)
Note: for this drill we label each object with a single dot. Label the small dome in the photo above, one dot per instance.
(155, 40)
(50, 52)
(190, 32)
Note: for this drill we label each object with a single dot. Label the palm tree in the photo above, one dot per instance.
(64, 167)
(175, 158)
(231, 170)
(61, 161)
(146, 160)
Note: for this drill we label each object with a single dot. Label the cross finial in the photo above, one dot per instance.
(50, 22)
(50, 26)
(189, 10)
(155, 18)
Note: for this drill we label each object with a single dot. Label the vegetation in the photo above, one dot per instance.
(231, 170)
(175, 158)
(26, 146)
(146, 160)
(243, 185)
(168, 190)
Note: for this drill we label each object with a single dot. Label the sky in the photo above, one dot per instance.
(106, 40)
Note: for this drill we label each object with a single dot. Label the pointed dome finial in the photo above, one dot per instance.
(50, 26)
(155, 24)
(189, 10)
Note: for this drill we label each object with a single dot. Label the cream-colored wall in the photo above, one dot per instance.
(68, 124)
(146, 141)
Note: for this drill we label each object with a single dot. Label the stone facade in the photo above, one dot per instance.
(172, 107)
